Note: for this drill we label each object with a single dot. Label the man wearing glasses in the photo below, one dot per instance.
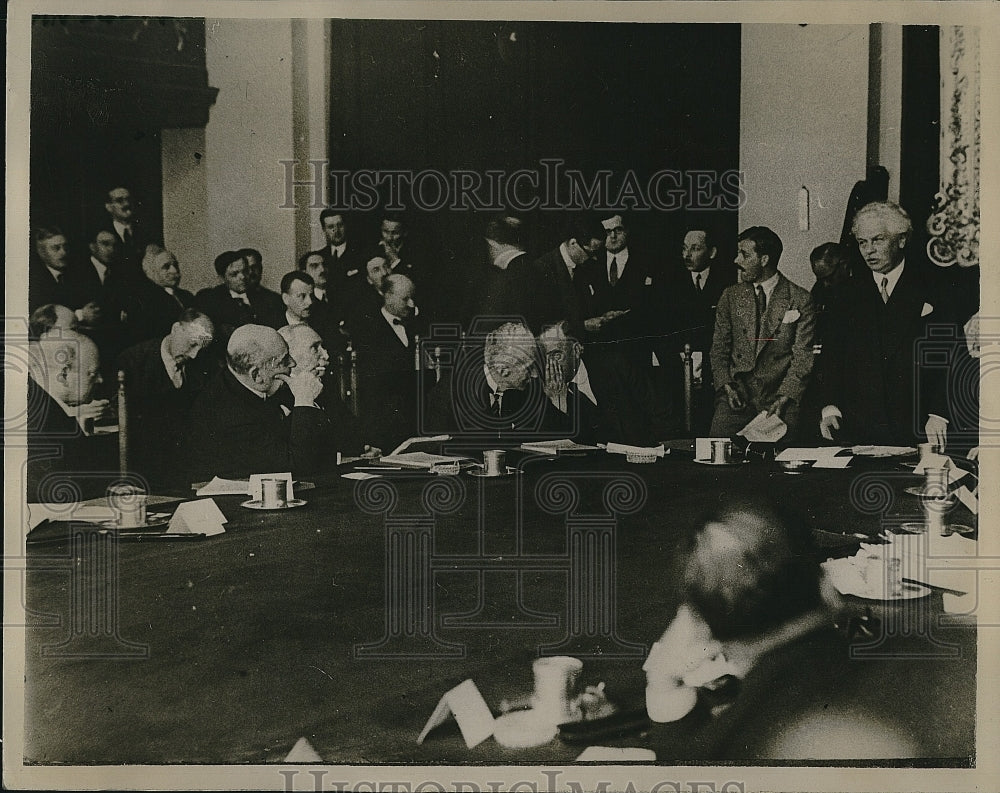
(257, 415)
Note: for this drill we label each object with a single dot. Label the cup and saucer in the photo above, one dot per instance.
(493, 466)
(719, 452)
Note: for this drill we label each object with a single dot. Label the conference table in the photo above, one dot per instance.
(346, 620)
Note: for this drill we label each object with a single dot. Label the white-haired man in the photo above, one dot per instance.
(158, 301)
(240, 425)
(871, 358)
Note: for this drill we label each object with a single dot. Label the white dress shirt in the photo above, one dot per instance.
(703, 274)
(620, 259)
(174, 372)
(892, 278)
(100, 267)
(397, 326)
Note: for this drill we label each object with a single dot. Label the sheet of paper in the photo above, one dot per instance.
(764, 428)
(809, 453)
(882, 451)
(37, 513)
(614, 754)
(933, 461)
(420, 439)
(303, 752)
(198, 517)
(832, 462)
(224, 487)
(359, 475)
(255, 488)
(562, 445)
(467, 705)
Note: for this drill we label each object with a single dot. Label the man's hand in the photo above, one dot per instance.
(371, 453)
(594, 324)
(555, 385)
(827, 425)
(305, 386)
(936, 429)
(733, 397)
(92, 411)
(90, 314)
(973, 454)
(777, 407)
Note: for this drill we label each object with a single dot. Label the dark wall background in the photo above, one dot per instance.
(482, 95)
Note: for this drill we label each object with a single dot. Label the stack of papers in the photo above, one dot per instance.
(224, 487)
(555, 447)
(417, 459)
(824, 456)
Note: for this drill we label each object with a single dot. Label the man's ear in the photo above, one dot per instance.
(903, 239)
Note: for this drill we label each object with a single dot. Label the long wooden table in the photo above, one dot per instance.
(344, 621)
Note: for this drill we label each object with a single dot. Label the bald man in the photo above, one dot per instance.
(63, 371)
(257, 415)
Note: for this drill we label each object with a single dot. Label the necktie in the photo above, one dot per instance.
(613, 271)
(399, 323)
(496, 399)
(761, 307)
(697, 281)
(178, 377)
(127, 235)
(59, 278)
(884, 290)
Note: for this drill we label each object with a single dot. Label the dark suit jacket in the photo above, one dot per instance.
(626, 410)
(631, 334)
(234, 433)
(268, 307)
(151, 311)
(780, 360)
(560, 296)
(461, 405)
(343, 276)
(157, 411)
(44, 289)
(873, 368)
(687, 315)
(494, 296)
(132, 252)
(61, 459)
(388, 382)
(228, 313)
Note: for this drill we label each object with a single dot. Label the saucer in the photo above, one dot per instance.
(723, 465)
(256, 504)
(153, 521)
(480, 473)
(523, 729)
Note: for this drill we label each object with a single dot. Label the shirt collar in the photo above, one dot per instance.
(768, 286)
(564, 252)
(621, 257)
(56, 274)
(241, 297)
(100, 267)
(893, 276)
(503, 258)
(489, 379)
(391, 318)
(120, 227)
(703, 273)
(168, 360)
(259, 394)
(582, 381)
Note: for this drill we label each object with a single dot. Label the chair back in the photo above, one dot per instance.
(688, 389)
(123, 458)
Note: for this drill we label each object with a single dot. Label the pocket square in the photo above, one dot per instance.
(649, 281)
(591, 287)
(927, 309)
(792, 315)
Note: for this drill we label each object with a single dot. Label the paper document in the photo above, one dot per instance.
(764, 428)
(470, 710)
(359, 475)
(554, 447)
(818, 453)
(615, 754)
(224, 487)
(417, 459)
(832, 462)
(420, 439)
(622, 448)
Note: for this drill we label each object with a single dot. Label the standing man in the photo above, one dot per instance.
(344, 262)
(267, 303)
(871, 359)
(762, 345)
(132, 238)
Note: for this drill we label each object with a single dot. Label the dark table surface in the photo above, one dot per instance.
(230, 648)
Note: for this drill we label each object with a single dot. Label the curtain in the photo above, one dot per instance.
(954, 224)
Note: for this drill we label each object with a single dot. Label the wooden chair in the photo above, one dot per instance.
(123, 457)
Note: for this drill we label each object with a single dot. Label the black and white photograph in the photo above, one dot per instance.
(458, 396)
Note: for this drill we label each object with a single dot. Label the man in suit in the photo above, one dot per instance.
(229, 304)
(831, 264)
(162, 379)
(366, 296)
(240, 426)
(268, 303)
(103, 287)
(608, 401)
(48, 318)
(688, 295)
(499, 283)
(387, 375)
(301, 307)
(63, 372)
(402, 259)
(492, 393)
(762, 345)
(872, 356)
(623, 283)
(342, 430)
(51, 277)
(130, 235)
(564, 289)
(158, 300)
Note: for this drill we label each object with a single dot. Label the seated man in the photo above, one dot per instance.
(298, 294)
(756, 618)
(762, 345)
(239, 426)
(366, 296)
(267, 304)
(492, 393)
(162, 379)
(610, 401)
(157, 302)
(343, 433)
(50, 317)
(229, 304)
(63, 371)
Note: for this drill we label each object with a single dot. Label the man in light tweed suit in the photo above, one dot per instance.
(762, 345)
